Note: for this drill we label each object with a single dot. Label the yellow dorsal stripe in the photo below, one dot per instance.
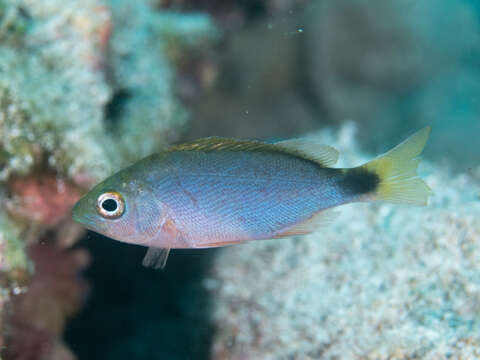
(322, 155)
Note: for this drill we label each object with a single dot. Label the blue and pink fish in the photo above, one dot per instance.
(215, 191)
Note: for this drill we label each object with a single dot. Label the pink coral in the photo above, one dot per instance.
(45, 198)
(37, 316)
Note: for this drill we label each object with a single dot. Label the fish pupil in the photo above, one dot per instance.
(109, 205)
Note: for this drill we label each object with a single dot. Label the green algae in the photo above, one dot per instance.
(12, 255)
(14, 24)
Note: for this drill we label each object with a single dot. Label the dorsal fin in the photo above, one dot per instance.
(305, 148)
(312, 149)
(219, 143)
(313, 224)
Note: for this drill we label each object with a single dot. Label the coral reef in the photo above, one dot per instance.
(148, 114)
(70, 95)
(85, 88)
(39, 309)
(382, 282)
(42, 198)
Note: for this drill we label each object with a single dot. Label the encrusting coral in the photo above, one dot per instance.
(85, 88)
(38, 313)
(381, 282)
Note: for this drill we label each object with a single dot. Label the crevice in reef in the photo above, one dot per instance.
(138, 313)
(116, 106)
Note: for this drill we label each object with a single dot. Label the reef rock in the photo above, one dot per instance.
(382, 282)
(85, 88)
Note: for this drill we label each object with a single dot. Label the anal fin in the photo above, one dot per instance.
(156, 257)
(311, 225)
(215, 244)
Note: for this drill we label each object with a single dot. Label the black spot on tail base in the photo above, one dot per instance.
(359, 181)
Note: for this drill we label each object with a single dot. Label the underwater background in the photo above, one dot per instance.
(89, 87)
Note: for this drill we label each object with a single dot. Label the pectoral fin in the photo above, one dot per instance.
(156, 257)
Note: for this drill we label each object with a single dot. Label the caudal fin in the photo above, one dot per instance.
(397, 172)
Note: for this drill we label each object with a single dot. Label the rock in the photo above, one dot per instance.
(382, 282)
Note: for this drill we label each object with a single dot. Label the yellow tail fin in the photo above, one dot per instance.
(397, 172)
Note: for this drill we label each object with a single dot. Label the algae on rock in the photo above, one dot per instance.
(12, 254)
(148, 110)
(89, 96)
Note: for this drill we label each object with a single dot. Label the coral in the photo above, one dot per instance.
(145, 110)
(81, 99)
(382, 282)
(12, 255)
(52, 96)
(85, 98)
(36, 318)
(85, 88)
(44, 199)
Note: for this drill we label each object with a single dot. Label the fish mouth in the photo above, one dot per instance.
(89, 223)
(80, 216)
(76, 213)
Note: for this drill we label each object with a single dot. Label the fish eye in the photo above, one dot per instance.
(110, 205)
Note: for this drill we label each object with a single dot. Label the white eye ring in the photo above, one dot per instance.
(110, 205)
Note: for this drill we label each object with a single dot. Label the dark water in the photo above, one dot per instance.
(138, 313)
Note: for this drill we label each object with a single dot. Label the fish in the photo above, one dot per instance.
(214, 192)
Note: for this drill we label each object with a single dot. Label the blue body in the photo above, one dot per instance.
(230, 196)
